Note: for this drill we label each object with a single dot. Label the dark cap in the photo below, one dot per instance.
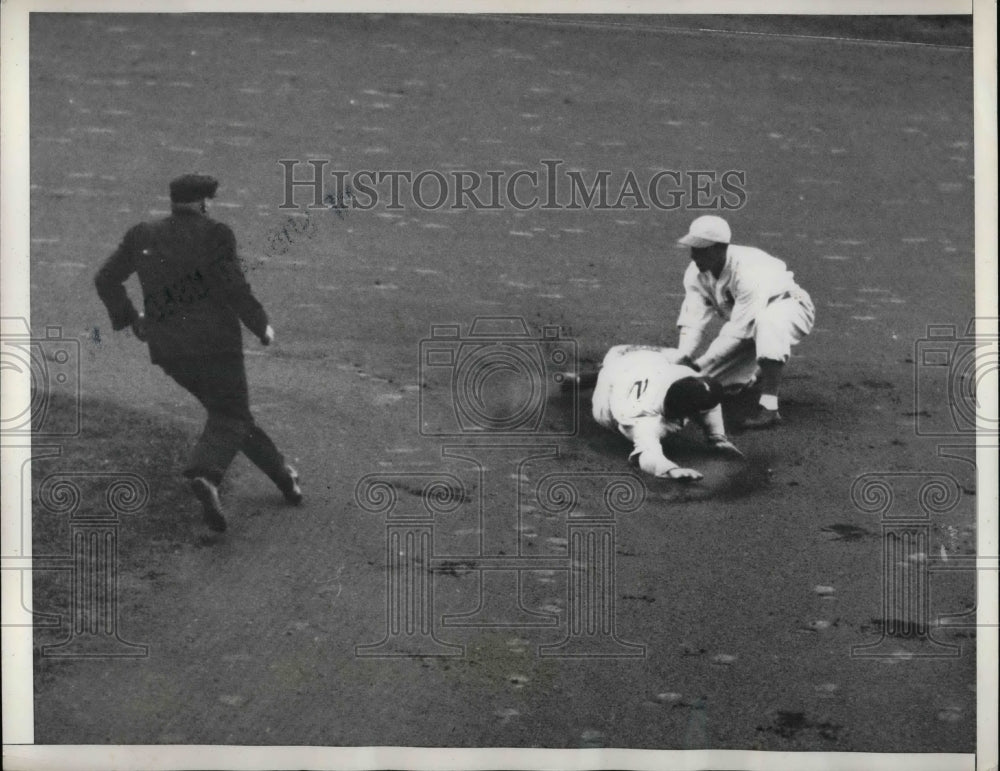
(192, 187)
(690, 396)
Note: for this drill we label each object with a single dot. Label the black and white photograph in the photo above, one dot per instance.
(499, 386)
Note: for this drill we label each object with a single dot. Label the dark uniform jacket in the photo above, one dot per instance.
(194, 290)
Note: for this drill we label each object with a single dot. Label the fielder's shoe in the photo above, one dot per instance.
(289, 486)
(734, 390)
(211, 507)
(763, 418)
(567, 381)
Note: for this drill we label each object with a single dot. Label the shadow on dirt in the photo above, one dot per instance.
(79, 482)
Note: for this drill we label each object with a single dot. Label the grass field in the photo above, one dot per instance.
(747, 590)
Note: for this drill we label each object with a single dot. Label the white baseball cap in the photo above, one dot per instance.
(706, 231)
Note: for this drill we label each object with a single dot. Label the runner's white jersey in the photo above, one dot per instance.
(628, 397)
(633, 382)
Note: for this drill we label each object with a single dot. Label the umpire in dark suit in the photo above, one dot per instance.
(194, 297)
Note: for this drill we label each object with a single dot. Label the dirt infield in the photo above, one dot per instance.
(748, 591)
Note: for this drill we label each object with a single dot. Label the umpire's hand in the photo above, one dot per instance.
(268, 337)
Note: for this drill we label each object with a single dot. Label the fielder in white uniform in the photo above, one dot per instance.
(645, 394)
(765, 314)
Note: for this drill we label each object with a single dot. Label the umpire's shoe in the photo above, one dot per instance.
(763, 418)
(211, 507)
(288, 483)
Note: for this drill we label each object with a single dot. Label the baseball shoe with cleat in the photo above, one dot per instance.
(580, 380)
(289, 486)
(211, 507)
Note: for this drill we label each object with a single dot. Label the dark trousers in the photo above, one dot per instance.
(220, 384)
